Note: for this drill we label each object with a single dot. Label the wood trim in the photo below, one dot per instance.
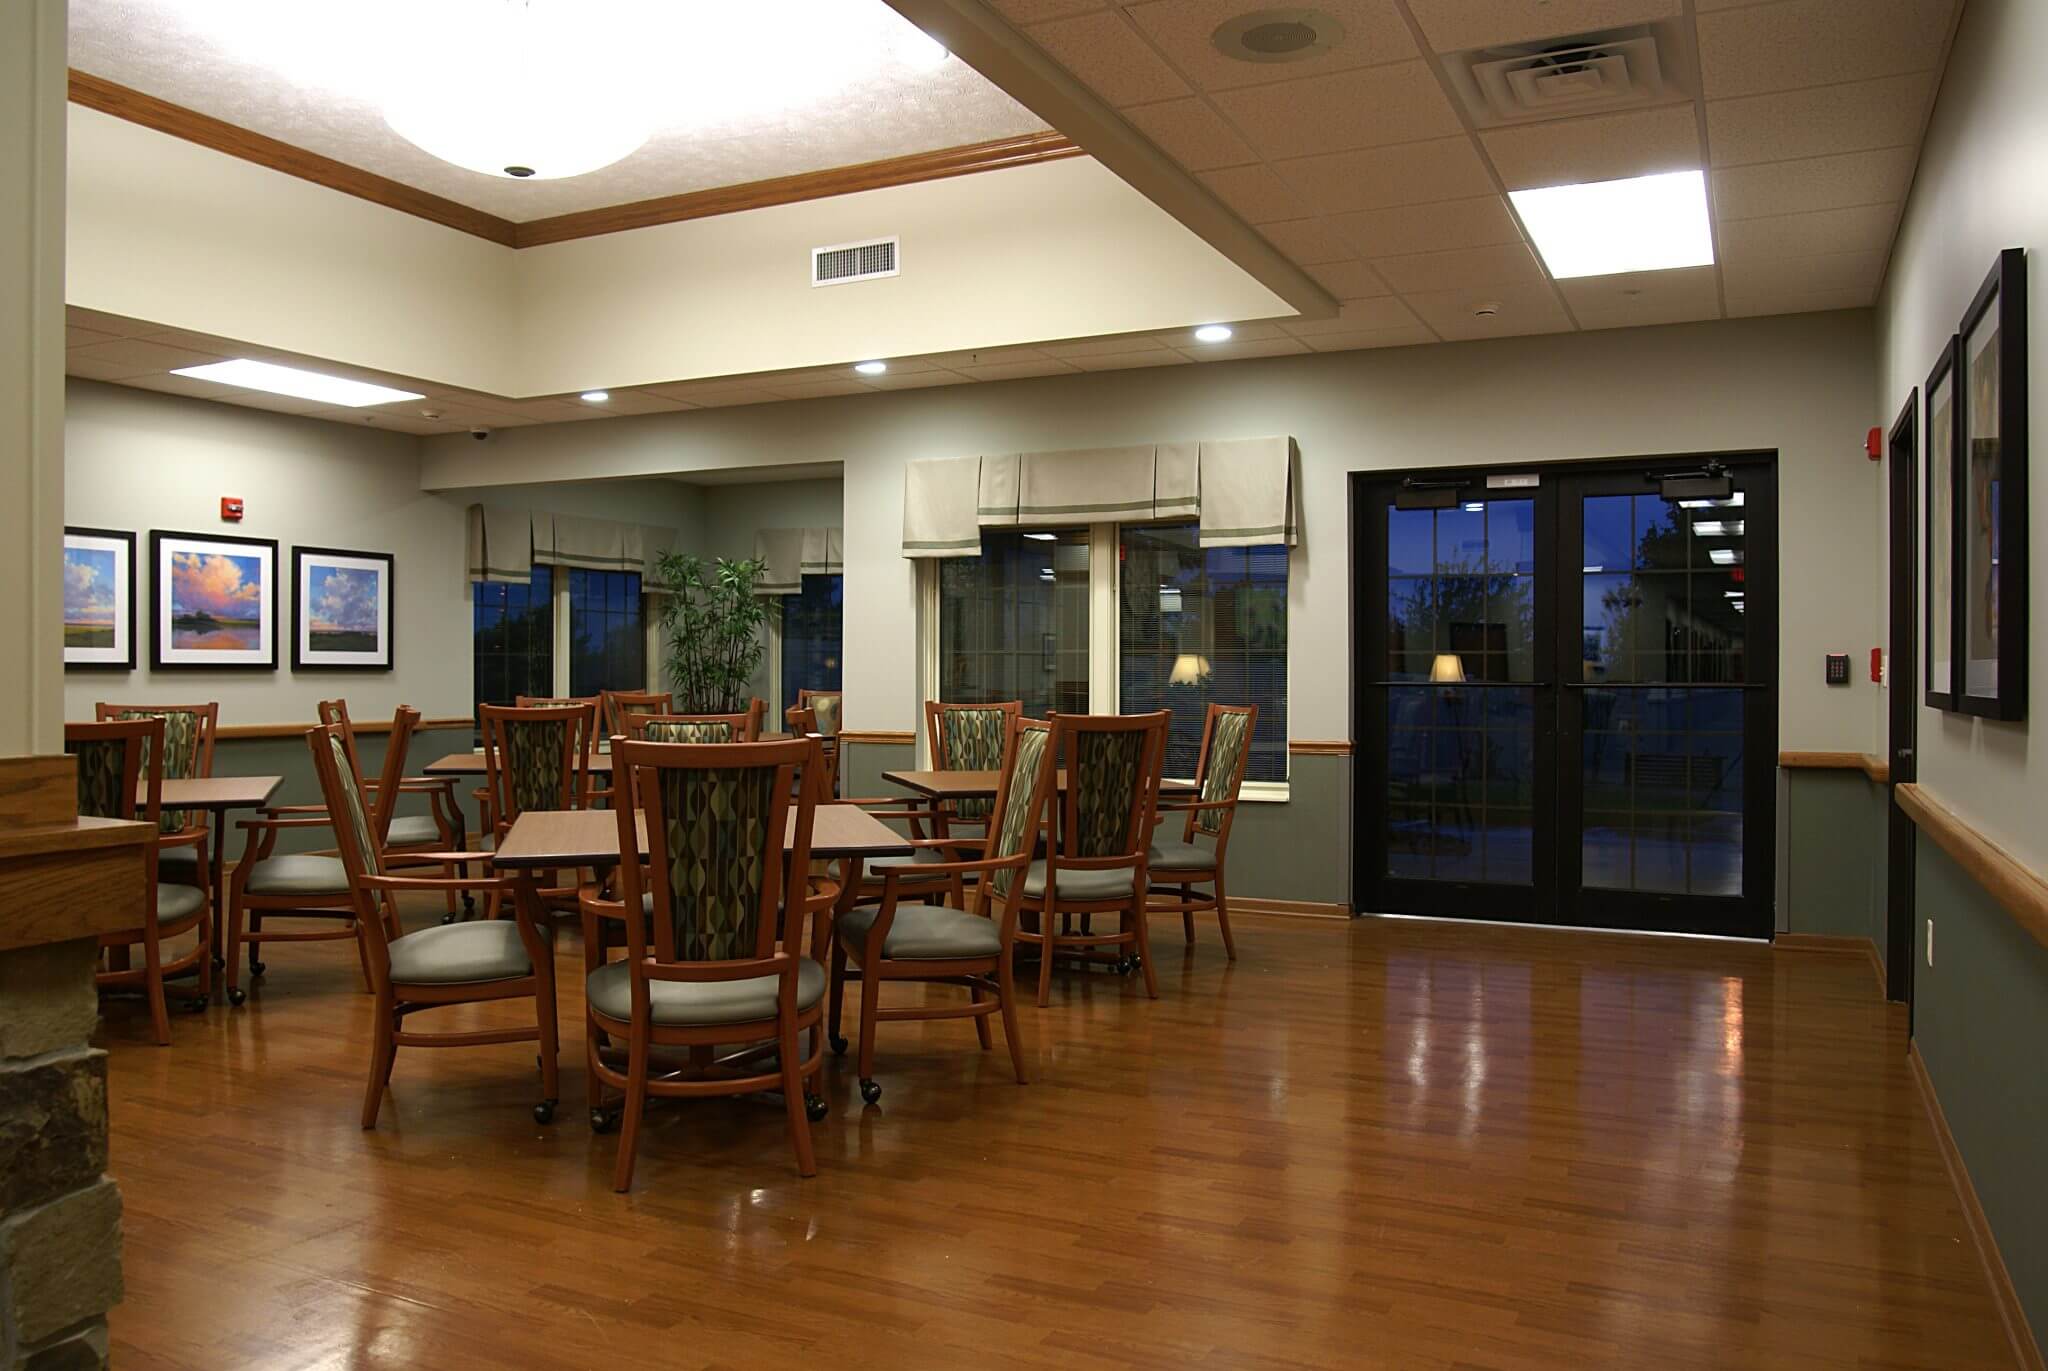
(38, 790)
(904, 738)
(108, 97)
(2004, 877)
(300, 730)
(1318, 747)
(996, 155)
(1834, 942)
(72, 835)
(1306, 909)
(2026, 1352)
(1871, 765)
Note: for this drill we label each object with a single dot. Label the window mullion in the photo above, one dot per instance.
(559, 583)
(1103, 570)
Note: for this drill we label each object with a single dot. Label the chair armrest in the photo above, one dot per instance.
(369, 882)
(293, 809)
(254, 824)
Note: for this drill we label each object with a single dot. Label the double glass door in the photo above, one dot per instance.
(1565, 703)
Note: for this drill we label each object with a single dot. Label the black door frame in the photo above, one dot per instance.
(1903, 699)
(1369, 493)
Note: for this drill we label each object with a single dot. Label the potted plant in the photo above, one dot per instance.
(711, 621)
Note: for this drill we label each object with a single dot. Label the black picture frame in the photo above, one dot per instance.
(1990, 615)
(120, 656)
(165, 654)
(306, 656)
(1942, 441)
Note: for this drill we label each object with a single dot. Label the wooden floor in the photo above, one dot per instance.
(1383, 1144)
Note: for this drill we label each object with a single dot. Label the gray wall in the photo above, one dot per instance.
(733, 514)
(1835, 854)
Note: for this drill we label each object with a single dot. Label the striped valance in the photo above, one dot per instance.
(790, 554)
(1242, 491)
(506, 544)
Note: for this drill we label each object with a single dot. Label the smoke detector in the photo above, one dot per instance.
(1278, 35)
(1486, 309)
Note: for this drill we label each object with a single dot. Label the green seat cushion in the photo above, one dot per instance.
(679, 1004)
(178, 902)
(924, 933)
(1172, 856)
(458, 954)
(412, 830)
(1080, 884)
(298, 873)
(183, 860)
(876, 867)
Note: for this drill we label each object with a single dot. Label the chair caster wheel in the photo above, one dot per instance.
(236, 995)
(258, 968)
(544, 1112)
(220, 963)
(447, 918)
(815, 1108)
(839, 1046)
(195, 1005)
(870, 1091)
(603, 1120)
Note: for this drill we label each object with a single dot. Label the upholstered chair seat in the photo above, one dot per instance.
(180, 863)
(298, 873)
(701, 1004)
(923, 856)
(175, 903)
(928, 933)
(1168, 855)
(1079, 883)
(459, 954)
(412, 830)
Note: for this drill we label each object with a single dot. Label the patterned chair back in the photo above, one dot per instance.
(621, 705)
(187, 749)
(1113, 763)
(716, 816)
(1226, 750)
(691, 728)
(824, 708)
(586, 734)
(970, 738)
(356, 835)
(334, 713)
(114, 759)
(1019, 804)
(534, 756)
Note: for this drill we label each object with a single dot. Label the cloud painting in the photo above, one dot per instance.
(216, 601)
(342, 607)
(89, 596)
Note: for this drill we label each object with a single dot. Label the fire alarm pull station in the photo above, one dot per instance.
(231, 508)
(1838, 668)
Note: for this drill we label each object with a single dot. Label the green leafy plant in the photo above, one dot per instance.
(711, 622)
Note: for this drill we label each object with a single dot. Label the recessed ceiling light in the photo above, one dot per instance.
(595, 397)
(1725, 556)
(1043, 537)
(1717, 528)
(1213, 333)
(871, 368)
(1645, 223)
(250, 374)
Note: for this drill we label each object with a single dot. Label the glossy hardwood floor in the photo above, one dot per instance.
(1387, 1144)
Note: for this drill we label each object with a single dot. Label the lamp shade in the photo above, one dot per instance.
(1448, 667)
(1188, 669)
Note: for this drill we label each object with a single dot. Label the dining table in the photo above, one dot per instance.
(217, 796)
(981, 785)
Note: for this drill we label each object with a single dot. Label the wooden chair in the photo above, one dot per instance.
(1096, 863)
(692, 728)
(440, 829)
(536, 757)
(809, 722)
(621, 705)
(116, 760)
(815, 711)
(447, 964)
(893, 941)
(968, 738)
(1175, 867)
(184, 842)
(301, 885)
(587, 735)
(714, 974)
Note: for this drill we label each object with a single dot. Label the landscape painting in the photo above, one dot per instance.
(99, 598)
(341, 609)
(215, 601)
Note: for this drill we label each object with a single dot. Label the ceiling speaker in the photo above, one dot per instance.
(1278, 35)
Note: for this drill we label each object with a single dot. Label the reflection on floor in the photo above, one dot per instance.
(1390, 1144)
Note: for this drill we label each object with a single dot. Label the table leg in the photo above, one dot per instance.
(216, 841)
(530, 913)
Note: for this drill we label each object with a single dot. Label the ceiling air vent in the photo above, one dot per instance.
(844, 262)
(1564, 77)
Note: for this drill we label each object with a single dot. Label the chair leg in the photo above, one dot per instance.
(635, 1105)
(974, 993)
(870, 1010)
(837, 994)
(1006, 994)
(383, 1052)
(1223, 919)
(363, 959)
(236, 914)
(793, 1101)
(1047, 945)
(153, 983)
(1143, 947)
(550, 1041)
(453, 873)
(1187, 915)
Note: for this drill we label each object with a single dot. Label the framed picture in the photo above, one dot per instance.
(1991, 496)
(99, 599)
(1944, 427)
(341, 609)
(213, 602)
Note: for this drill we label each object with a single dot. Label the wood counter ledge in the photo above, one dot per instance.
(62, 877)
(1875, 767)
(2023, 893)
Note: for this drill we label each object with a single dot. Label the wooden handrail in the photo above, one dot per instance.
(1871, 765)
(363, 726)
(2004, 877)
(850, 735)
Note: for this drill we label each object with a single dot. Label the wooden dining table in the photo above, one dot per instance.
(218, 795)
(471, 763)
(981, 785)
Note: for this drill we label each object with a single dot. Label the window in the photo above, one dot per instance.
(607, 644)
(1013, 622)
(1198, 625)
(810, 637)
(514, 639)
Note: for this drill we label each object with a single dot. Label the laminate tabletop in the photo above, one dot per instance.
(590, 837)
(218, 793)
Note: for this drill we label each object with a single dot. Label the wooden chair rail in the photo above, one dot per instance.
(2023, 892)
(1871, 765)
(362, 726)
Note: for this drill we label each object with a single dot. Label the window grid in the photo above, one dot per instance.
(607, 640)
(811, 645)
(1013, 622)
(513, 639)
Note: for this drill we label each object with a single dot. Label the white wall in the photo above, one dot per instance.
(1799, 384)
(1979, 189)
(734, 513)
(139, 460)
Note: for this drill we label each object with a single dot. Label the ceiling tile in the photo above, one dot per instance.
(1349, 280)
(1455, 25)
(1850, 178)
(1848, 271)
(1405, 174)
(631, 402)
(1629, 299)
(1799, 43)
(1750, 302)
(1813, 123)
(1866, 228)
(1191, 134)
(168, 384)
(1350, 109)
(1374, 32)
(137, 356)
(1307, 242)
(114, 325)
(276, 404)
(1504, 264)
(1396, 232)
(914, 380)
(1012, 371)
(982, 357)
(734, 395)
(76, 337)
(1608, 148)
(1125, 361)
(1256, 194)
(1521, 309)
(1407, 336)
(1037, 11)
(816, 390)
(1104, 54)
(1236, 350)
(1102, 347)
(1358, 316)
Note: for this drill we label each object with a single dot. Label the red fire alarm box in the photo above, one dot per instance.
(231, 508)
(1877, 666)
(1873, 445)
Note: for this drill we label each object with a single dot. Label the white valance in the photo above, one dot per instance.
(1247, 493)
(500, 544)
(824, 552)
(1176, 481)
(941, 497)
(1089, 486)
(506, 544)
(575, 541)
(997, 503)
(790, 554)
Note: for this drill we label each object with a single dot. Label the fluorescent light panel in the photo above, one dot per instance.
(1602, 228)
(250, 374)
